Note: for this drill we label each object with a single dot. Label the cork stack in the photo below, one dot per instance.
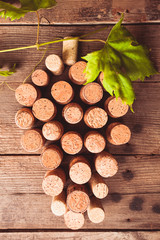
(86, 172)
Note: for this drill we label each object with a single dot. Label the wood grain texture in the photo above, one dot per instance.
(137, 235)
(19, 36)
(87, 12)
(144, 123)
(137, 174)
(32, 211)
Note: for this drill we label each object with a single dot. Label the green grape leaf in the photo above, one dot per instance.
(8, 72)
(12, 12)
(122, 60)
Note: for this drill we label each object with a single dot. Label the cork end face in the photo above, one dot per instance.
(72, 113)
(24, 118)
(44, 110)
(92, 93)
(58, 208)
(96, 215)
(106, 165)
(118, 133)
(95, 117)
(32, 140)
(94, 142)
(74, 220)
(80, 173)
(100, 190)
(26, 94)
(76, 73)
(62, 92)
(52, 131)
(40, 78)
(72, 142)
(115, 107)
(51, 157)
(78, 201)
(54, 63)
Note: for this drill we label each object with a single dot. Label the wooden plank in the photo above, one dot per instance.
(87, 12)
(63, 235)
(144, 123)
(137, 174)
(32, 211)
(16, 36)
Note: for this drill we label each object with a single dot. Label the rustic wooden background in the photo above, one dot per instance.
(133, 205)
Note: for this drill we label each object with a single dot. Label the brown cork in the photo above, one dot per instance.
(95, 117)
(79, 170)
(94, 142)
(91, 93)
(53, 130)
(77, 198)
(40, 78)
(58, 205)
(95, 211)
(26, 94)
(32, 140)
(115, 107)
(118, 133)
(74, 220)
(24, 118)
(72, 142)
(100, 78)
(54, 64)
(51, 157)
(72, 113)
(53, 182)
(44, 110)
(62, 92)
(76, 73)
(105, 164)
(98, 186)
(69, 52)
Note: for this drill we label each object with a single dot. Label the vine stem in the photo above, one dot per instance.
(57, 41)
(37, 41)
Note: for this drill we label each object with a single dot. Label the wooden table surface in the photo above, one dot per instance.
(133, 204)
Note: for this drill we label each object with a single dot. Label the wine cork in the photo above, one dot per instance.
(72, 142)
(62, 92)
(26, 94)
(77, 198)
(105, 164)
(91, 93)
(52, 130)
(94, 142)
(115, 107)
(118, 133)
(24, 118)
(58, 205)
(95, 117)
(72, 113)
(51, 157)
(95, 211)
(69, 52)
(40, 78)
(53, 182)
(98, 186)
(44, 110)
(54, 64)
(76, 73)
(32, 140)
(79, 170)
(74, 220)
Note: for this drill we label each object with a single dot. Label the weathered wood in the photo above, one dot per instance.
(19, 36)
(32, 211)
(63, 235)
(137, 174)
(144, 123)
(87, 12)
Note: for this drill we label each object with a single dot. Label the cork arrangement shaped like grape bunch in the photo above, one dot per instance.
(75, 157)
